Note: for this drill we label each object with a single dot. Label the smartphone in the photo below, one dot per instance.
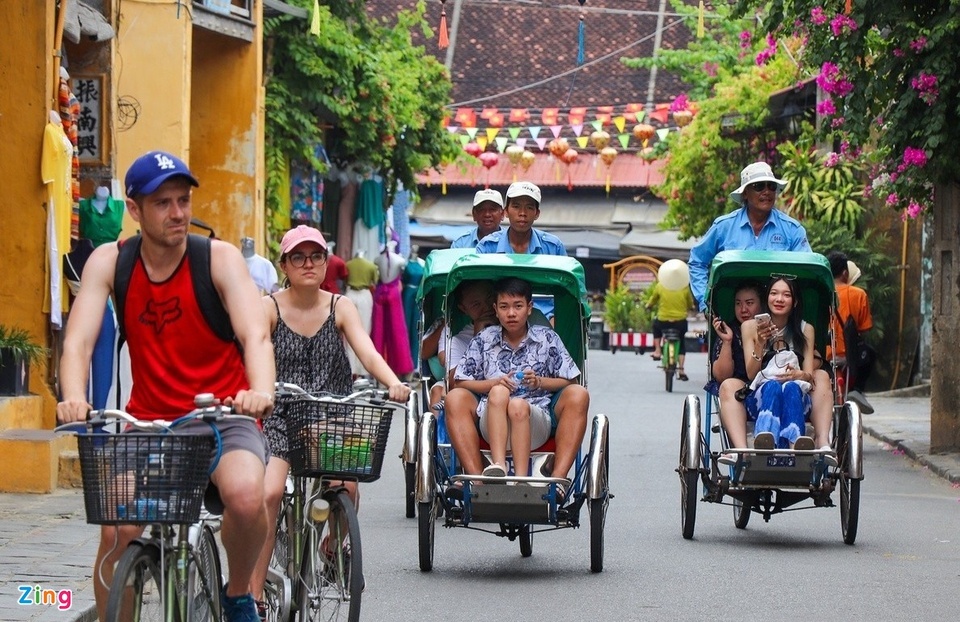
(762, 318)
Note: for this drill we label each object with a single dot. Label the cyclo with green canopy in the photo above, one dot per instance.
(515, 512)
(430, 299)
(771, 481)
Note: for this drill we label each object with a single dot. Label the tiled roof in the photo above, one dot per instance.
(503, 47)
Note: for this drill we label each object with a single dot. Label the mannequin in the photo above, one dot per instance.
(337, 272)
(412, 275)
(262, 271)
(390, 335)
(101, 216)
(362, 275)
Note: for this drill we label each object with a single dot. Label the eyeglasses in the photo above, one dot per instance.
(760, 186)
(299, 259)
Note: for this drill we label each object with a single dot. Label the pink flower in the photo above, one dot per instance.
(892, 199)
(711, 69)
(832, 82)
(914, 209)
(898, 52)
(817, 16)
(841, 24)
(826, 108)
(914, 157)
(918, 44)
(832, 159)
(680, 102)
(838, 122)
(745, 39)
(926, 85)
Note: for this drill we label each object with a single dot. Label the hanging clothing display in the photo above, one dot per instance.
(55, 163)
(69, 116)
(368, 227)
(412, 275)
(389, 328)
(361, 277)
(330, 223)
(401, 219)
(348, 196)
(306, 195)
(101, 219)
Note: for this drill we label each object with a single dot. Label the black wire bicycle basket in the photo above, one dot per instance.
(144, 478)
(345, 441)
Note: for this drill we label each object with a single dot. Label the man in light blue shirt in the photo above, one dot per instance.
(487, 213)
(523, 209)
(757, 225)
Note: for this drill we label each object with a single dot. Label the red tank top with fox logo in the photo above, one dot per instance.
(174, 354)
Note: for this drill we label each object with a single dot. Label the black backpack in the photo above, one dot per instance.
(198, 252)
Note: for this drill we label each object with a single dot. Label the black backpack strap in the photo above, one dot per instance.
(198, 252)
(128, 252)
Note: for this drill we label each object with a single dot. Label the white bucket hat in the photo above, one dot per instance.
(758, 171)
(854, 272)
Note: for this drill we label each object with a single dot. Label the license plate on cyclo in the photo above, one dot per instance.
(781, 461)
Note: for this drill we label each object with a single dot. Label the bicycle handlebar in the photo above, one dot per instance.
(377, 397)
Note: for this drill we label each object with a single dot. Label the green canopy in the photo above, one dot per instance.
(731, 269)
(560, 277)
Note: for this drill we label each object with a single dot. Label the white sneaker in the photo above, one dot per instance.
(830, 458)
(494, 470)
(860, 400)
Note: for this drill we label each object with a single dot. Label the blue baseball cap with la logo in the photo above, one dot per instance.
(152, 169)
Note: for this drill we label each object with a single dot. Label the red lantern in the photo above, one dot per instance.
(473, 149)
(558, 147)
(489, 159)
(569, 157)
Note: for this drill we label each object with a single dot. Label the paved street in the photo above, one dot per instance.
(904, 561)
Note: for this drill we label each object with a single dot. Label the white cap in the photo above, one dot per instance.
(487, 195)
(853, 271)
(524, 189)
(758, 171)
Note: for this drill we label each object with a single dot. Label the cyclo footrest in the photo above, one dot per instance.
(509, 504)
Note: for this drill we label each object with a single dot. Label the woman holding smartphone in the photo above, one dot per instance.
(786, 394)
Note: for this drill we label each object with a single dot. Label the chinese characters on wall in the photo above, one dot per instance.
(89, 92)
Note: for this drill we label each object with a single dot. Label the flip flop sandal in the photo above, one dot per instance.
(655, 357)
(682, 376)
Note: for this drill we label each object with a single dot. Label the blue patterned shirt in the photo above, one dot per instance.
(733, 232)
(489, 356)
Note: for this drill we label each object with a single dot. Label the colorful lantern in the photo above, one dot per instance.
(489, 159)
(527, 159)
(558, 147)
(643, 132)
(600, 140)
(608, 155)
(473, 149)
(514, 154)
(682, 117)
(569, 157)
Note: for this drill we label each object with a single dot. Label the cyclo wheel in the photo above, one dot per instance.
(849, 488)
(669, 364)
(599, 446)
(688, 479)
(136, 592)
(332, 582)
(526, 541)
(277, 602)
(741, 514)
(204, 580)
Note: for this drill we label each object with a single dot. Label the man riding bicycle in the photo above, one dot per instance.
(176, 354)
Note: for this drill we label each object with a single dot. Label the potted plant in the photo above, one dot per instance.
(628, 319)
(17, 353)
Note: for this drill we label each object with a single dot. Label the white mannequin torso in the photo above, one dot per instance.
(391, 265)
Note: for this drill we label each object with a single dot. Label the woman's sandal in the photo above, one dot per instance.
(655, 357)
(681, 375)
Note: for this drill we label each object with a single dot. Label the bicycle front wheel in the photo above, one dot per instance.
(136, 593)
(204, 579)
(332, 573)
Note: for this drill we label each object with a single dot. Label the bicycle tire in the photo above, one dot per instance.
(204, 580)
(137, 577)
(278, 596)
(331, 586)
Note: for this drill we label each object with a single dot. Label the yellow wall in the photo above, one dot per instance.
(26, 91)
(152, 69)
(225, 146)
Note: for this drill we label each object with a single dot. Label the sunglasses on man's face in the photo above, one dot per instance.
(760, 186)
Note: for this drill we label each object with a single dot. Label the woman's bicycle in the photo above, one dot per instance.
(157, 474)
(317, 564)
(671, 356)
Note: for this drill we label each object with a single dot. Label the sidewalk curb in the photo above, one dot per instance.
(926, 460)
(87, 615)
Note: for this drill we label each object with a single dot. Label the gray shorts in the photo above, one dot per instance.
(235, 435)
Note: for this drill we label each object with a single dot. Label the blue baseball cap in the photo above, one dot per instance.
(152, 169)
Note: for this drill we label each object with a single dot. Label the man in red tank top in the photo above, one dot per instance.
(175, 355)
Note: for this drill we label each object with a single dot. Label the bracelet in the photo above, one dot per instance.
(755, 357)
(539, 382)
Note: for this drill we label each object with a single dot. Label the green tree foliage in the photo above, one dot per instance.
(891, 74)
(381, 99)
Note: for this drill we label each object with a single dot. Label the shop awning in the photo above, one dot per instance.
(656, 243)
(561, 210)
(275, 7)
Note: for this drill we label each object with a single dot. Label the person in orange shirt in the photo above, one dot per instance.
(853, 303)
